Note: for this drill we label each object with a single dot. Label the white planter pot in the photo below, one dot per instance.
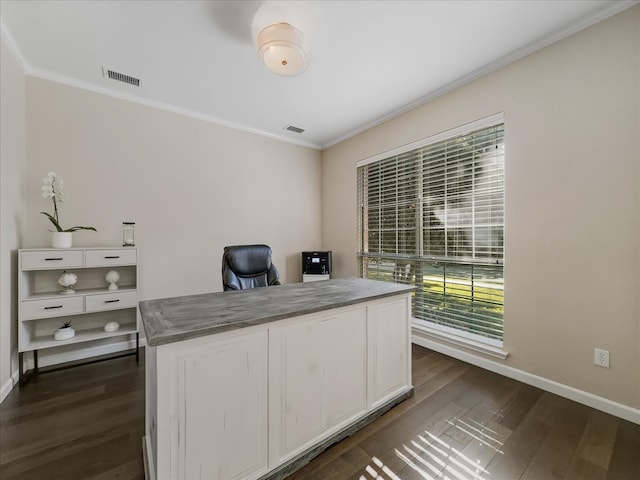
(61, 239)
(64, 333)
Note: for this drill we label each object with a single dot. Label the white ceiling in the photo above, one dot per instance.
(369, 60)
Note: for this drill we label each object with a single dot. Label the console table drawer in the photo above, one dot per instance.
(111, 301)
(52, 259)
(105, 258)
(53, 307)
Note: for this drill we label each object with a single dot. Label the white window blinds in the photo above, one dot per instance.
(433, 216)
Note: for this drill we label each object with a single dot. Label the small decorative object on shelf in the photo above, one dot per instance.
(112, 278)
(111, 327)
(65, 332)
(128, 238)
(67, 280)
(61, 237)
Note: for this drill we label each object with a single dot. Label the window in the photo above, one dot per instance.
(432, 214)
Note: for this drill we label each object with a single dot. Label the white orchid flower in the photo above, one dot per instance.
(49, 190)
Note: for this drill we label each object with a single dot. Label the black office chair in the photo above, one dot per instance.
(248, 266)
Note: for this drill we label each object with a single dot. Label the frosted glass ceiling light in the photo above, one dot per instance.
(281, 49)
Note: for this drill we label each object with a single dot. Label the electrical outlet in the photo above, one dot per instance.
(601, 357)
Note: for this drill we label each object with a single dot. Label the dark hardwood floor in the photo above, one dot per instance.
(463, 423)
(78, 423)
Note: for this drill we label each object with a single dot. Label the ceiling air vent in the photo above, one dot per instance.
(120, 77)
(291, 128)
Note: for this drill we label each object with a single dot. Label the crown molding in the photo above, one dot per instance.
(72, 82)
(10, 41)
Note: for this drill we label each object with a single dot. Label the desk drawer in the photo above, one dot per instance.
(51, 259)
(111, 301)
(53, 307)
(105, 258)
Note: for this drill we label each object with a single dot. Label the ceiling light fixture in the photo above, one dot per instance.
(281, 49)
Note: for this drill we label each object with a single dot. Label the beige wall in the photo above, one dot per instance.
(12, 165)
(572, 266)
(192, 187)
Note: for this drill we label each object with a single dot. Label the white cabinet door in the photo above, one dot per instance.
(317, 374)
(389, 349)
(222, 406)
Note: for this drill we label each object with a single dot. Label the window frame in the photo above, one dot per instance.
(420, 227)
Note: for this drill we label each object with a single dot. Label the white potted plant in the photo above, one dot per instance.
(61, 237)
(65, 332)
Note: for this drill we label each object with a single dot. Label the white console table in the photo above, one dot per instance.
(253, 384)
(42, 309)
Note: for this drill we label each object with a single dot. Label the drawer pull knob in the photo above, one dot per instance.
(52, 258)
(112, 301)
(112, 256)
(49, 308)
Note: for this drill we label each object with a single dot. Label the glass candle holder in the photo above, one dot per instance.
(128, 237)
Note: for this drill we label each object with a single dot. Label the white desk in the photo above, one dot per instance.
(252, 384)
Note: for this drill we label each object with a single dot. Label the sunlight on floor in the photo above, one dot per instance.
(431, 458)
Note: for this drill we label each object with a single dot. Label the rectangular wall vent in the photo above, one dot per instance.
(291, 128)
(121, 77)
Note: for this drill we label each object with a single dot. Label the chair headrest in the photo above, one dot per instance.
(248, 259)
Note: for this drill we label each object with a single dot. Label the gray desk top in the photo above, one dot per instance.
(173, 319)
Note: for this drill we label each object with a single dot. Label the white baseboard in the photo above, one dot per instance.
(599, 403)
(8, 385)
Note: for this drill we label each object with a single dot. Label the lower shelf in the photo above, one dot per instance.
(35, 371)
(81, 336)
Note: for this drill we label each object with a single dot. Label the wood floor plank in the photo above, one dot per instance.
(625, 458)
(517, 453)
(43, 407)
(95, 460)
(552, 459)
(353, 460)
(44, 456)
(519, 406)
(72, 426)
(570, 420)
(596, 444)
(479, 423)
(581, 469)
(483, 446)
(130, 470)
(430, 366)
(439, 381)
(447, 450)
